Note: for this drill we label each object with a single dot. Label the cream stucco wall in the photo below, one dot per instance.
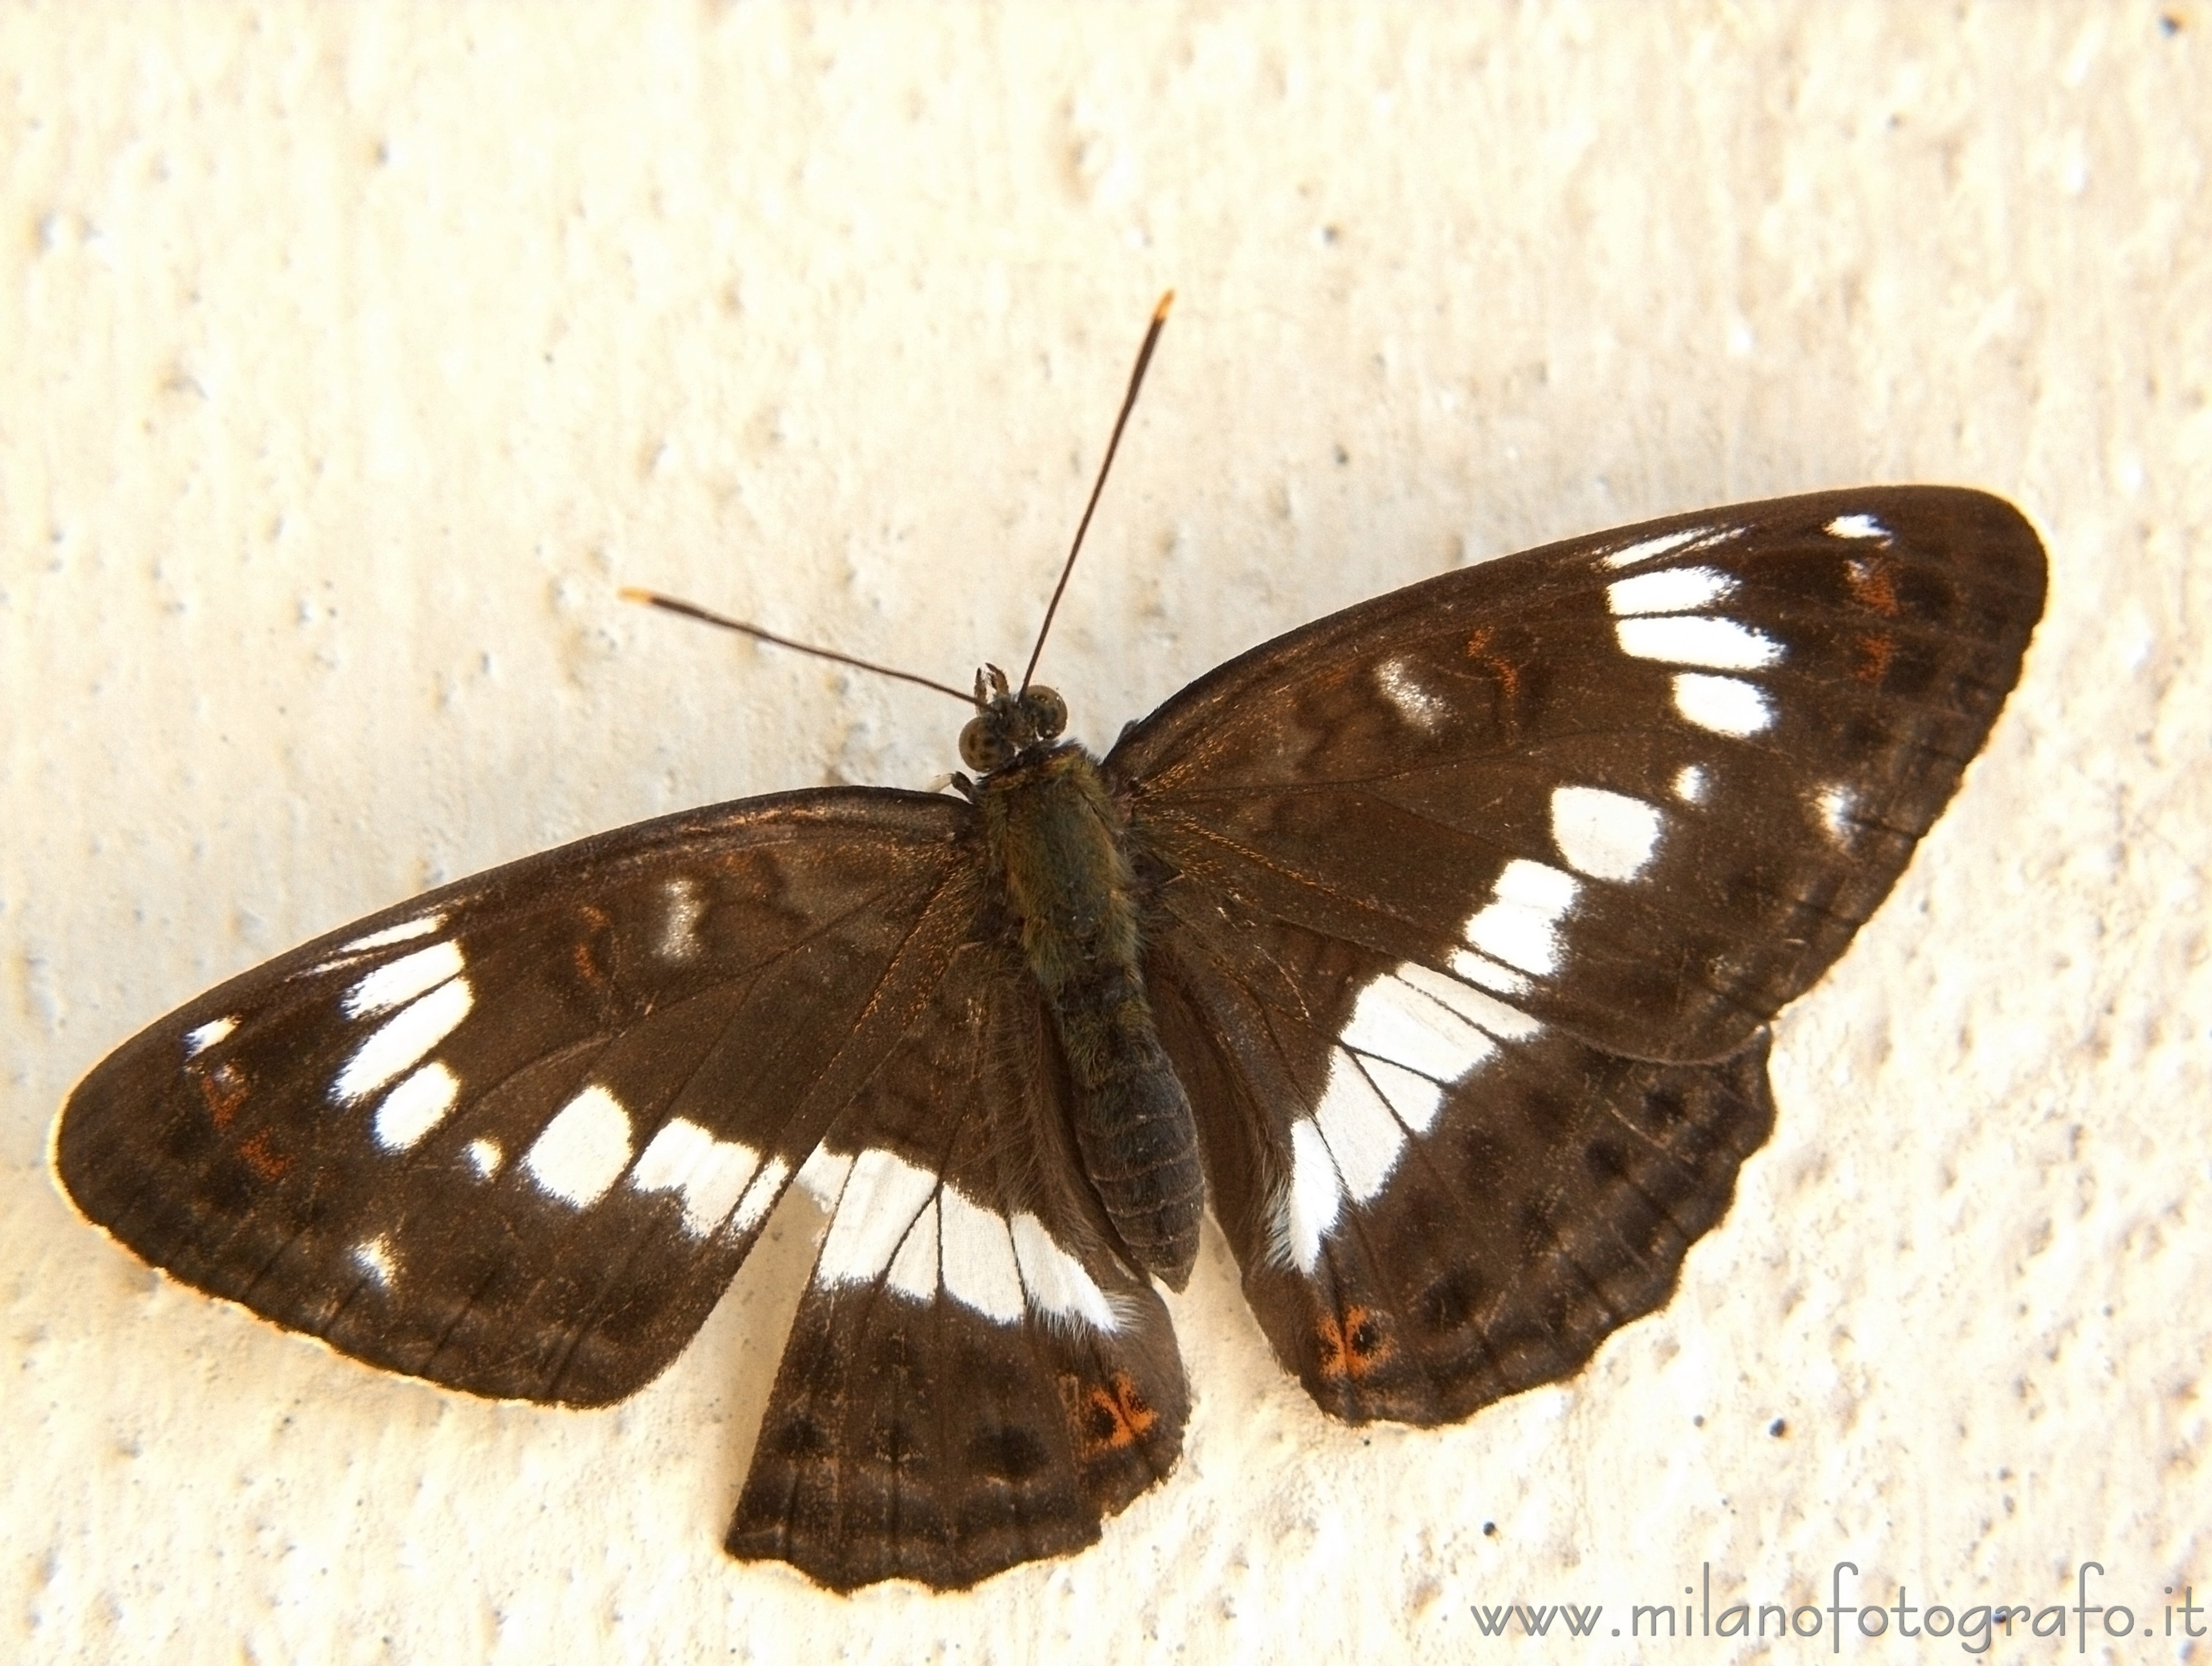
(351, 356)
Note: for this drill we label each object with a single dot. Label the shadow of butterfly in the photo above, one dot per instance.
(1433, 944)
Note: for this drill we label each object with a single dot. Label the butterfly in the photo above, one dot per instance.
(1434, 946)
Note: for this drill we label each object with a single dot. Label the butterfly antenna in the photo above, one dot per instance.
(1128, 403)
(692, 611)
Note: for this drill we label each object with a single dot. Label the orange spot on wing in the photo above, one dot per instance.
(224, 1090)
(585, 955)
(1108, 1416)
(1479, 650)
(1353, 1345)
(1872, 585)
(263, 1159)
(1876, 649)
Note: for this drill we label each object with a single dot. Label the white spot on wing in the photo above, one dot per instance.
(883, 1195)
(398, 981)
(1392, 1020)
(1364, 1139)
(1645, 549)
(405, 931)
(1308, 1205)
(583, 1150)
(1485, 1013)
(411, 1109)
(1690, 784)
(198, 1039)
(896, 1222)
(375, 1257)
(1608, 835)
(1834, 805)
(763, 1192)
(1416, 704)
(1413, 1098)
(403, 1041)
(1726, 705)
(824, 1174)
(484, 1156)
(711, 1174)
(1521, 925)
(913, 1269)
(1856, 526)
(1693, 639)
(680, 920)
(1670, 590)
(978, 1254)
(1057, 1283)
(1492, 975)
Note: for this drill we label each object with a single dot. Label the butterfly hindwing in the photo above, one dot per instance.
(975, 1377)
(515, 1136)
(1466, 1201)
(1473, 903)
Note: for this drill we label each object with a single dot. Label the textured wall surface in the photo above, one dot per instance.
(351, 357)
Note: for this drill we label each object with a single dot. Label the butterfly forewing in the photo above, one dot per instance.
(975, 1376)
(1653, 827)
(1475, 901)
(516, 1135)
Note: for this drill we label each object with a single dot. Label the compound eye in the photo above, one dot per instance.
(983, 748)
(1046, 711)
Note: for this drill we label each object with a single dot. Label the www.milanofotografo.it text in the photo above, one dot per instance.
(1976, 1627)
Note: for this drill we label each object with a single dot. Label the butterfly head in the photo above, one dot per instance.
(1009, 722)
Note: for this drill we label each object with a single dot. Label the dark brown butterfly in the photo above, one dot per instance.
(1434, 944)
